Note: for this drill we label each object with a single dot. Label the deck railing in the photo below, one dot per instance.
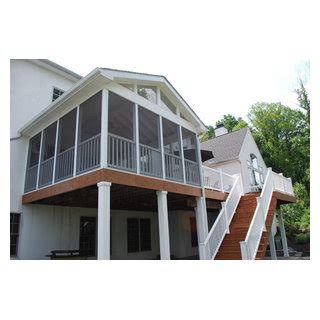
(173, 165)
(64, 164)
(88, 156)
(249, 246)
(150, 161)
(220, 227)
(121, 153)
(282, 183)
(192, 172)
(46, 172)
(217, 179)
(31, 178)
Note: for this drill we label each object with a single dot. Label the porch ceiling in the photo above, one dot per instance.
(122, 198)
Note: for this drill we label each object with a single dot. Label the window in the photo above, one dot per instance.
(193, 231)
(56, 93)
(34, 150)
(14, 233)
(87, 242)
(255, 171)
(138, 234)
(148, 128)
(167, 103)
(49, 141)
(148, 92)
(171, 139)
(189, 142)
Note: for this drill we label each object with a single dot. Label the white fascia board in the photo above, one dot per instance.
(62, 99)
(130, 95)
(119, 75)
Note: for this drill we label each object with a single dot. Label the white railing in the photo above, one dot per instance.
(121, 153)
(64, 164)
(282, 184)
(217, 179)
(46, 172)
(250, 245)
(192, 172)
(150, 161)
(31, 178)
(221, 226)
(88, 155)
(173, 165)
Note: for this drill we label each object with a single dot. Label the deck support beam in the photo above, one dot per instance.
(163, 225)
(283, 234)
(104, 218)
(202, 225)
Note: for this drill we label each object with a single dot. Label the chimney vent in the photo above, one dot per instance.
(220, 130)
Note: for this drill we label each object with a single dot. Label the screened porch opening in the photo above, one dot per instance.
(172, 150)
(88, 150)
(191, 163)
(149, 143)
(121, 138)
(47, 155)
(32, 163)
(65, 147)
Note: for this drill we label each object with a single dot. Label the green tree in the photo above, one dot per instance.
(231, 123)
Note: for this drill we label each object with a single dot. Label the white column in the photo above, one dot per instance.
(163, 225)
(202, 225)
(76, 144)
(104, 129)
(104, 220)
(272, 246)
(182, 155)
(283, 234)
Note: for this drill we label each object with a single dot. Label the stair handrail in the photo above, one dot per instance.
(250, 245)
(220, 227)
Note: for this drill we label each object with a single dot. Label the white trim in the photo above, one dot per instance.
(136, 136)
(163, 225)
(162, 149)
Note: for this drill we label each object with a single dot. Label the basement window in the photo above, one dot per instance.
(138, 234)
(56, 93)
(14, 233)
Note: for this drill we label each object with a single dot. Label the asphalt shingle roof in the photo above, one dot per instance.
(225, 147)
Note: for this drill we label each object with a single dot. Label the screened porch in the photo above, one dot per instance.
(108, 130)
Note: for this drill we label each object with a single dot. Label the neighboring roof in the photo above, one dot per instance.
(225, 147)
(56, 67)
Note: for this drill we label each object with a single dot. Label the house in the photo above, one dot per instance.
(109, 166)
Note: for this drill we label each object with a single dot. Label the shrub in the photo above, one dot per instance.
(303, 238)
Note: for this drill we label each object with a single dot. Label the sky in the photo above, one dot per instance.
(221, 59)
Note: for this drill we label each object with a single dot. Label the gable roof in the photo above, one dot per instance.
(225, 147)
(104, 75)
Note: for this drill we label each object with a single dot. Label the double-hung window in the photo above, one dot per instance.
(14, 233)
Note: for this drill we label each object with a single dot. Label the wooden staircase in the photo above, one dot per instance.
(230, 246)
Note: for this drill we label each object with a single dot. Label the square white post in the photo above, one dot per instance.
(104, 129)
(39, 160)
(76, 144)
(272, 246)
(104, 218)
(283, 234)
(202, 226)
(136, 135)
(182, 155)
(163, 225)
(55, 152)
(162, 149)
